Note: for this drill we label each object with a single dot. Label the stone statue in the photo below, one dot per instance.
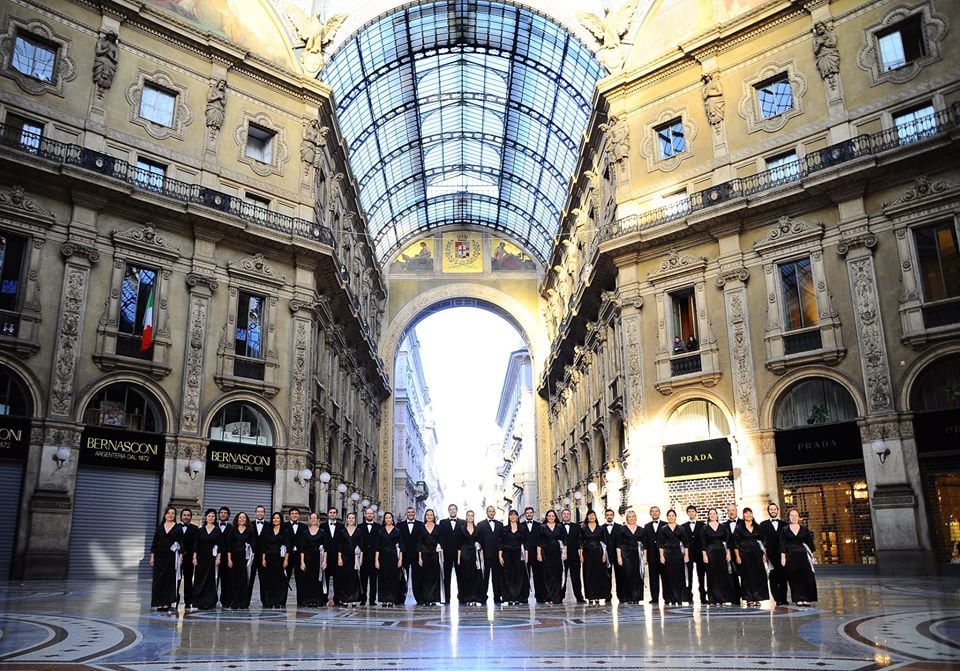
(712, 95)
(216, 105)
(825, 51)
(105, 60)
(618, 139)
(314, 139)
(316, 35)
(609, 31)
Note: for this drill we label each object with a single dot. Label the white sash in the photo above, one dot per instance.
(249, 558)
(640, 557)
(356, 558)
(603, 547)
(320, 565)
(766, 559)
(729, 563)
(809, 558)
(175, 548)
(479, 551)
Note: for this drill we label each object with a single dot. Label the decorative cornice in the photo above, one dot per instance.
(676, 264)
(16, 198)
(787, 231)
(922, 188)
(146, 237)
(258, 268)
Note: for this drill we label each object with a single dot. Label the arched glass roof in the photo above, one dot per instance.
(463, 112)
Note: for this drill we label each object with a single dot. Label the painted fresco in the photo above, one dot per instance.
(417, 258)
(245, 22)
(462, 252)
(506, 256)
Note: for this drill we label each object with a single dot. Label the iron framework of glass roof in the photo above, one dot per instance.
(463, 112)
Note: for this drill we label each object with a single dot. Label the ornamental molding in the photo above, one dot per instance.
(934, 29)
(749, 106)
(922, 189)
(200, 280)
(280, 152)
(677, 264)
(788, 234)
(65, 69)
(16, 199)
(865, 240)
(738, 274)
(146, 239)
(258, 269)
(182, 116)
(70, 249)
(873, 356)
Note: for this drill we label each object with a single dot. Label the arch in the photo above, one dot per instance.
(720, 424)
(159, 394)
(457, 294)
(918, 366)
(29, 381)
(695, 394)
(838, 405)
(279, 430)
(772, 397)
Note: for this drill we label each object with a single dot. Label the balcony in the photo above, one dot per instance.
(941, 313)
(814, 162)
(803, 341)
(685, 364)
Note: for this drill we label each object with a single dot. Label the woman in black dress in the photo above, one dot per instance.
(241, 540)
(550, 556)
(796, 556)
(389, 563)
(593, 558)
(629, 546)
(165, 560)
(275, 543)
(426, 579)
(751, 560)
(313, 565)
(673, 558)
(470, 582)
(516, 584)
(715, 541)
(206, 560)
(346, 580)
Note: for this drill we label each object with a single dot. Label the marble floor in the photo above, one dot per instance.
(860, 622)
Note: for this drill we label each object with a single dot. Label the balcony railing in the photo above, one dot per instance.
(685, 365)
(837, 154)
(941, 313)
(104, 164)
(804, 341)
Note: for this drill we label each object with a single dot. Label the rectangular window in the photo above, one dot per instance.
(150, 175)
(12, 256)
(136, 294)
(248, 340)
(22, 133)
(157, 105)
(774, 96)
(784, 167)
(676, 202)
(938, 260)
(34, 58)
(799, 295)
(670, 138)
(915, 124)
(260, 143)
(684, 306)
(257, 201)
(901, 44)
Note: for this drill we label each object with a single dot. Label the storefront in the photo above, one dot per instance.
(699, 470)
(14, 447)
(820, 467)
(241, 461)
(117, 497)
(935, 401)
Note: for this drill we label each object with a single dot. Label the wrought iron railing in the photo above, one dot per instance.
(685, 365)
(803, 341)
(941, 313)
(902, 135)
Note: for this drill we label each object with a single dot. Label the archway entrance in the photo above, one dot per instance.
(397, 488)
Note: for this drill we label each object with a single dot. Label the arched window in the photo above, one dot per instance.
(241, 422)
(125, 405)
(938, 386)
(816, 400)
(15, 400)
(696, 420)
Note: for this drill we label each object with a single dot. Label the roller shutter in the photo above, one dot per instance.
(237, 495)
(11, 479)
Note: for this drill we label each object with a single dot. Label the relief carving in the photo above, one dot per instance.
(16, 198)
(869, 327)
(61, 393)
(193, 366)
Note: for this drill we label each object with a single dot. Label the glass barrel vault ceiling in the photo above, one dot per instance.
(462, 112)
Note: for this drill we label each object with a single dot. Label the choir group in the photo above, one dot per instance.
(369, 562)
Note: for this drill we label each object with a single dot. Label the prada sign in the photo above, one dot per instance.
(100, 446)
(14, 437)
(937, 431)
(703, 457)
(819, 444)
(239, 460)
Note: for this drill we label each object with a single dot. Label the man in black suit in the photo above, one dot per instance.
(611, 534)
(410, 531)
(655, 572)
(770, 532)
(187, 547)
(450, 542)
(692, 528)
(489, 531)
(531, 543)
(296, 529)
(571, 566)
(226, 580)
(369, 533)
(731, 524)
(259, 525)
(332, 536)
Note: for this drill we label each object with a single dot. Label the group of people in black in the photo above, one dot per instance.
(369, 562)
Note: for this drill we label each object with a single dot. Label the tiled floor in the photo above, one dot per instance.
(861, 622)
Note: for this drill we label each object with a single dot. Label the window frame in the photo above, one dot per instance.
(913, 127)
(34, 144)
(10, 315)
(139, 310)
(897, 29)
(676, 129)
(941, 223)
(260, 141)
(786, 164)
(147, 104)
(760, 88)
(932, 30)
(146, 172)
(37, 43)
(785, 320)
(36, 34)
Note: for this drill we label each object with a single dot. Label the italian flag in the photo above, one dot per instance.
(146, 335)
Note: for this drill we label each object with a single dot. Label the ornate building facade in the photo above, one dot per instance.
(755, 291)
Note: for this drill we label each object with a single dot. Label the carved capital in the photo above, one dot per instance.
(865, 240)
(198, 280)
(732, 274)
(88, 252)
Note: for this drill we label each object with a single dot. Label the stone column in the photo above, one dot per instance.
(895, 500)
(300, 396)
(50, 515)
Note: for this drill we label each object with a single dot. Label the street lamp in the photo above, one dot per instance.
(342, 490)
(578, 496)
(61, 455)
(324, 479)
(303, 477)
(355, 497)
